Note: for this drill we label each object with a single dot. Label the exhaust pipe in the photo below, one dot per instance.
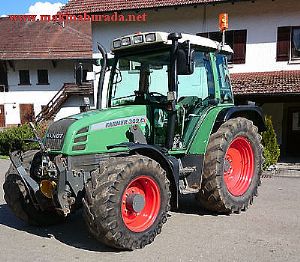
(102, 75)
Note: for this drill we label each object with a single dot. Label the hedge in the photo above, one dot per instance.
(12, 139)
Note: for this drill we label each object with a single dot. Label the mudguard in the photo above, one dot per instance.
(253, 113)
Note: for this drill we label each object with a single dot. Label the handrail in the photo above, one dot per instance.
(60, 97)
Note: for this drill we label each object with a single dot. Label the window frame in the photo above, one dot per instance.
(24, 83)
(291, 58)
(39, 82)
(284, 44)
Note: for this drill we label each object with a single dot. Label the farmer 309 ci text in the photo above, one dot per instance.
(170, 127)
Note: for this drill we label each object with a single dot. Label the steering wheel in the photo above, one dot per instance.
(156, 93)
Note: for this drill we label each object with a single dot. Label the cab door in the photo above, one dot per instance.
(196, 95)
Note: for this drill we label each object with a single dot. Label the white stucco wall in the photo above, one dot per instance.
(260, 18)
(38, 94)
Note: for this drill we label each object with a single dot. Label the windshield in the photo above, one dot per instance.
(137, 77)
(141, 78)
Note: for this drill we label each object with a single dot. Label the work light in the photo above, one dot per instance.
(150, 37)
(126, 41)
(117, 43)
(137, 39)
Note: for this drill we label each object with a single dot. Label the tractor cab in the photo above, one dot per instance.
(176, 76)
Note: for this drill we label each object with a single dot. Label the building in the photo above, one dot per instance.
(37, 61)
(265, 35)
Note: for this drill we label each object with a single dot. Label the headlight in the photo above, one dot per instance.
(117, 43)
(150, 37)
(126, 41)
(137, 39)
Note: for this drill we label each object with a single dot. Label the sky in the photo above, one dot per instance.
(8, 7)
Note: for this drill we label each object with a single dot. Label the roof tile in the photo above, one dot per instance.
(44, 40)
(274, 82)
(100, 6)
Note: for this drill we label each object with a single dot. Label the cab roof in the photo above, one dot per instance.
(142, 39)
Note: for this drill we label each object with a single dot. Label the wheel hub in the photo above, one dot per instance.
(239, 166)
(140, 203)
(135, 202)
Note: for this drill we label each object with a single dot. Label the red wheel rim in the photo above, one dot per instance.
(239, 166)
(140, 204)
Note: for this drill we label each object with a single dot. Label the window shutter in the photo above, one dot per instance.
(283, 43)
(239, 46)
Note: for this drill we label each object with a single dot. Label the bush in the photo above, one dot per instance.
(12, 139)
(271, 147)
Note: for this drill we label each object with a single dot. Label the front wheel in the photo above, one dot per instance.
(127, 201)
(232, 167)
(17, 197)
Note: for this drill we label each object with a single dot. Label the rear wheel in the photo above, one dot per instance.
(232, 167)
(17, 198)
(127, 201)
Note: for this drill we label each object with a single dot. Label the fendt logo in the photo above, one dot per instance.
(54, 136)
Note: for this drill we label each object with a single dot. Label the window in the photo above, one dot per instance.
(295, 52)
(201, 82)
(139, 74)
(42, 77)
(236, 39)
(224, 82)
(24, 77)
(146, 78)
(288, 43)
(296, 121)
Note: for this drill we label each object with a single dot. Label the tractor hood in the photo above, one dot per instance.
(91, 132)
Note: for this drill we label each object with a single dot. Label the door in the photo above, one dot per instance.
(2, 116)
(293, 131)
(26, 113)
(3, 78)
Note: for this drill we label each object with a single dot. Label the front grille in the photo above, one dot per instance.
(56, 133)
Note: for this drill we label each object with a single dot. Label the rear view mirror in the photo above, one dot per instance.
(185, 59)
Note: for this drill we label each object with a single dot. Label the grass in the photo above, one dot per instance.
(4, 157)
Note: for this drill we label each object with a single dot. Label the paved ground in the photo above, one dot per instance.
(268, 231)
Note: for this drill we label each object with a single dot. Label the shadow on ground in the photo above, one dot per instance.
(189, 205)
(74, 232)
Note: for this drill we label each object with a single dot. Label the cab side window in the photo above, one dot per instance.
(224, 80)
(201, 83)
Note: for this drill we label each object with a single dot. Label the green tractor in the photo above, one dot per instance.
(170, 127)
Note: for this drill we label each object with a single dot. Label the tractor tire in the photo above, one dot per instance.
(127, 201)
(17, 198)
(232, 167)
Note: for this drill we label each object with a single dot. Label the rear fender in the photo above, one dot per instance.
(252, 113)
